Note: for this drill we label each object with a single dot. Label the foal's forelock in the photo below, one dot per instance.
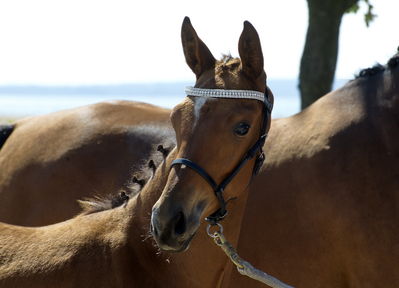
(226, 65)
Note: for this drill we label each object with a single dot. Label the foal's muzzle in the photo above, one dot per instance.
(173, 232)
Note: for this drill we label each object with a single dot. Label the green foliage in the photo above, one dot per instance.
(369, 16)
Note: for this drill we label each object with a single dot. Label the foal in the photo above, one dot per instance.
(219, 144)
(101, 249)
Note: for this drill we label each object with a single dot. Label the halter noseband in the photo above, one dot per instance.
(219, 214)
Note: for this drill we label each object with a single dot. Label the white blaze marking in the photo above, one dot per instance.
(199, 102)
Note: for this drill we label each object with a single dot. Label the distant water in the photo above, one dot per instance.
(17, 101)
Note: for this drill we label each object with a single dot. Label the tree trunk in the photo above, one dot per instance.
(319, 56)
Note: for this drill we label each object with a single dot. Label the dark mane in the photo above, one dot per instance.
(368, 72)
(138, 181)
(378, 68)
(5, 132)
(393, 62)
(139, 178)
(378, 86)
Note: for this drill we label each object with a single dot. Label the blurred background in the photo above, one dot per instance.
(57, 54)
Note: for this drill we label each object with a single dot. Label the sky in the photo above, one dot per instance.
(75, 42)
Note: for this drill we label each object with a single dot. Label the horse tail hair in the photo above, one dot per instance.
(5, 132)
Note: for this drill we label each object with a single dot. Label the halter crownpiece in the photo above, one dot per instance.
(236, 94)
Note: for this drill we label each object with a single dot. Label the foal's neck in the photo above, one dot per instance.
(203, 264)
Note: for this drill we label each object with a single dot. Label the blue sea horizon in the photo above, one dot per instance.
(27, 100)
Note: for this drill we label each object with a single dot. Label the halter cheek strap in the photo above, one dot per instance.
(221, 213)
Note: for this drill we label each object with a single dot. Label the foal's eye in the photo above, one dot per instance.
(241, 129)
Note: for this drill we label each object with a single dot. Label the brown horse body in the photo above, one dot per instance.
(50, 161)
(105, 249)
(325, 210)
(323, 213)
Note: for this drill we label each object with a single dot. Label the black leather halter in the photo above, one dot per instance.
(221, 213)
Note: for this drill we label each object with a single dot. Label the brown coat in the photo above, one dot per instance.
(51, 161)
(325, 210)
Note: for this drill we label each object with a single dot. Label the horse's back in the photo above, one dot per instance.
(324, 210)
(52, 160)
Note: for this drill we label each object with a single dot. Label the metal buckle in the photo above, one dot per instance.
(216, 216)
(213, 235)
(258, 163)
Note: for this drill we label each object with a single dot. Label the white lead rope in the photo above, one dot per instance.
(244, 267)
(256, 274)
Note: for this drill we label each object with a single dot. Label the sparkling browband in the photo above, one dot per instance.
(221, 93)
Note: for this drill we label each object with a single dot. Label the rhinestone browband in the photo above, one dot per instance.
(221, 93)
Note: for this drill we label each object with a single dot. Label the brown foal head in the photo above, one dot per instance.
(215, 133)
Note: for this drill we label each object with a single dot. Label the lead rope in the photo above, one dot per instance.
(244, 267)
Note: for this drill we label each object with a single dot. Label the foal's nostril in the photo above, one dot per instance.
(180, 226)
(153, 230)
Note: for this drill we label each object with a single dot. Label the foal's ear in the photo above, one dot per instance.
(198, 56)
(250, 51)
